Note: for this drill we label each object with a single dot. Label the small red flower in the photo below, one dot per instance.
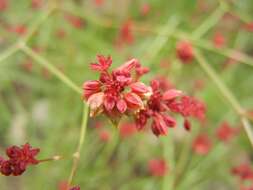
(19, 29)
(157, 110)
(225, 132)
(127, 130)
(244, 171)
(36, 4)
(63, 185)
(145, 9)
(103, 63)
(75, 188)
(99, 2)
(202, 144)
(126, 34)
(104, 135)
(249, 26)
(188, 107)
(19, 159)
(185, 51)
(157, 167)
(218, 40)
(3, 5)
(75, 21)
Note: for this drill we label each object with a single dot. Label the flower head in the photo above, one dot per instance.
(117, 92)
(157, 110)
(225, 132)
(185, 51)
(157, 167)
(19, 159)
(202, 144)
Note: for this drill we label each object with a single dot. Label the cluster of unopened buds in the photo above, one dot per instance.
(120, 92)
(19, 158)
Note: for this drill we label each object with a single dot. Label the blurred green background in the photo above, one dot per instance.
(38, 108)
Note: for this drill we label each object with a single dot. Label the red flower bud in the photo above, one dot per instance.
(95, 102)
(140, 88)
(133, 101)
(185, 51)
(171, 94)
(121, 105)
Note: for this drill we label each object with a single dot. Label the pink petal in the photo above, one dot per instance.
(171, 94)
(121, 105)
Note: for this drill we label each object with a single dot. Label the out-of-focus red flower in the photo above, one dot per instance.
(157, 167)
(3, 5)
(198, 84)
(225, 132)
(18, 159)
(75, 21)
(104, 135)
(185, 51)
(249, 26)
(63, 185)
(126, 35)
(37, 4)
(27, 65)
(19, 29)
(202, 144)
(60, 33)
(218, 40)
(75, 188)
(127, 130)
(145, 9)
(244, 171)
(99, 2)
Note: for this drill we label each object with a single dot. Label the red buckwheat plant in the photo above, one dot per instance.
(120, 92)
(18, 159)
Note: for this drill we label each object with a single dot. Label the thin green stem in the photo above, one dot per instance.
(168, 151)
(8, 52)
(161, 40)
(76, 155)
(31, 30)
(209, 22)
(34, 26)
(228, 95)
(45, 63)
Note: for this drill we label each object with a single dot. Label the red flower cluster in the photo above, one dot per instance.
(120, 92)
(225, 132)
(185, 51)
(19, 159)
(202, 144)
(189, 107)
(75, 188)
(245, 173)
(156, 109)
(157, 167)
